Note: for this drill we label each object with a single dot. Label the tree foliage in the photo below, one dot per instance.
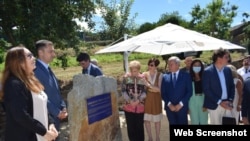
(246, 41)
(3, 47)
(247, 28)
(146, 27)
(215, 19)
(116, 19)
(25, 21)
(174, 18)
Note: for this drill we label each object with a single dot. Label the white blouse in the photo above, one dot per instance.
(40, 111)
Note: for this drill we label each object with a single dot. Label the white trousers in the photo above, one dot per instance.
(217, 114)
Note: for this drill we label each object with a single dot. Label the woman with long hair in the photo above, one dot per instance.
(24, 99)
(198, 114)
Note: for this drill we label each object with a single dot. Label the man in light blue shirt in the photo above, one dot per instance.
(218, 86)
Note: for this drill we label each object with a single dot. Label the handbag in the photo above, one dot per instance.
(228, 120)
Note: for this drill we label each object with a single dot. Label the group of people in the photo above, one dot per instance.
(31, 95)
(143, 103)
(202, 92)
(34, 105)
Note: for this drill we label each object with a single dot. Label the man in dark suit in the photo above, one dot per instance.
(56, 105)
(88, 67)
(218, 86)
(245, 106)
(176, 90)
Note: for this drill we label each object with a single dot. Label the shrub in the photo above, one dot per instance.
(3, 47)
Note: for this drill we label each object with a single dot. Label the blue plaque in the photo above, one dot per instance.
(99, 107)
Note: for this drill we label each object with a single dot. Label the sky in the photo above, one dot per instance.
(151, 10)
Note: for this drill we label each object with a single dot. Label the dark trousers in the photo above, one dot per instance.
(135, 126)
(2, 106)
(178, 118)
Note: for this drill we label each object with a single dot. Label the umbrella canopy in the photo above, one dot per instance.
(169, 39)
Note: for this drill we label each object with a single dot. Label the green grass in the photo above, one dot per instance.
(1, 67)
(112, 63)
(111, 57)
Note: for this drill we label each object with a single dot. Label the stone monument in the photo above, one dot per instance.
(93, 109)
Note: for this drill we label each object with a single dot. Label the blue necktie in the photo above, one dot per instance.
(52, 76)
(50, 72)
(174, 79)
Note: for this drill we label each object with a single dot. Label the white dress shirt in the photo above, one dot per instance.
(242, 71)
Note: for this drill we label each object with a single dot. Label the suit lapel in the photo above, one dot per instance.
(179, 76)
(38, 64)
(45, 70)
(90, 70)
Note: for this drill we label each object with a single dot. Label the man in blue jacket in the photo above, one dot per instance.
(56, 104)
(176, 90)
(88, 67)
(218, 86)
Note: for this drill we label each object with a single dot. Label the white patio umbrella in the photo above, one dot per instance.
(169, 39)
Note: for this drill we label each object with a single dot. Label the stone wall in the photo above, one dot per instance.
(85, 86)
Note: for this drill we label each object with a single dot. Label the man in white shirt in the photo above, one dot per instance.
(244, 71)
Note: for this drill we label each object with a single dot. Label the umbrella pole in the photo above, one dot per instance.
(125, 61)
(125, 56)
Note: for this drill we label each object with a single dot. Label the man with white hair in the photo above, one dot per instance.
(176, 90)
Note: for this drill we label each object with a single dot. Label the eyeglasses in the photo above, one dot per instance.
(30, 55)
